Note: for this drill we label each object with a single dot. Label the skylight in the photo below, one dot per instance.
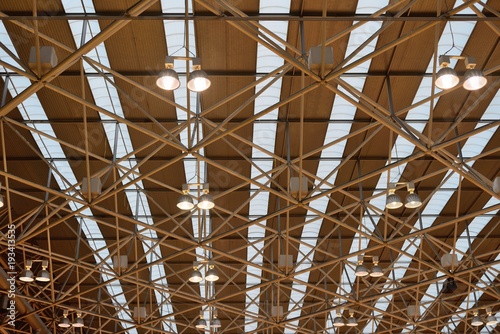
(175, 33)
(106, 96)
(264, 135)
(32, 109)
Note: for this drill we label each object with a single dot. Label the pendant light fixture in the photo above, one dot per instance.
(446, 77)
(198, 79)
(360, 270)
(201, 323)
(168, 78)
(78, 321)
(476, 320)
(212, 274)
(196, 276)
(338, 321)
(27, 275)
(412, 200)
(43, 275)
(491, 320)
(351, 321)
(376, 269)
(393, 201)
(64, 323)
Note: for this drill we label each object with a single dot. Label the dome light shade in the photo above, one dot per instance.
(376, 271)
(185, 202)
(27, 275)
(361, 270)
(338, 321)
(206, 202)
(64, 323)
(2, 202)
(351, 321)
(201, 323)
(476, 321)
(474, 79)
(212, 275)
(446, 78)
(412, 200)
(43, 276)
(196, 276)
(491, 320)
(198, 81)
(393, 201)
(215, 323)
(168, 79)
(78, 321)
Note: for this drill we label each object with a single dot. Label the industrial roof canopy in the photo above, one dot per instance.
(315, 110)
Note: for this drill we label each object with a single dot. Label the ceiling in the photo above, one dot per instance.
(275, 112)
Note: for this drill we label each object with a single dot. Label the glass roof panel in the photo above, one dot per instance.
(264, 135)
(106, 96)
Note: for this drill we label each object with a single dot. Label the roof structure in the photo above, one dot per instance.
(316, 112)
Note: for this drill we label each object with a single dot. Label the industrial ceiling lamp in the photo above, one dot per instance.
(412, 200)
(338, 321)
(27, 275)
(473, 79)
(196, 276)
(376, 269)
(168, 78)
(201, 323)
(198, 79)
(78, 321)
(212, 274)
(206, 201)
(64, 321)
(352, 321)
(393, 201)
(215, 322)
(361, 270)
(446, 77)
(185, 201)
(43, 275)
(476, 320)
(491, 320)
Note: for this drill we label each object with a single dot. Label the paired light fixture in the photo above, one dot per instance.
(169, 79)
(186, 202)
(66, 323)
(28, 276)
(202, 324)
(491, 320)
(211, 275)
(393, 200)
(362, 271)
(338, 321)
(447, 78)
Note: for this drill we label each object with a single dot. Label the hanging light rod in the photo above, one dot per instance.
(447, 78)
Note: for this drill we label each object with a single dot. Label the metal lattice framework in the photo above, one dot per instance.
(286, 254)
